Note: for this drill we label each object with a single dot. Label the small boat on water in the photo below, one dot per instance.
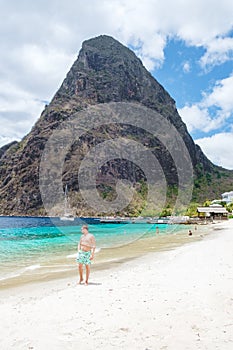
(68, 216)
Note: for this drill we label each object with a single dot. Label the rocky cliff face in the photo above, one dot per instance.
(104, 72)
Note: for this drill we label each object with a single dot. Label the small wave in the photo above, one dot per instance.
(71, 256)
(10, 275)
(32, 267)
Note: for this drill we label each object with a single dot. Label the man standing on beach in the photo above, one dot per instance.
(86, 251)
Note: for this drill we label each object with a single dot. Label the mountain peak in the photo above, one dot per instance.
(97, 53)
(105, 71)
(101, 42)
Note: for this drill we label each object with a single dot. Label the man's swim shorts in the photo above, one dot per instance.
(84, 257)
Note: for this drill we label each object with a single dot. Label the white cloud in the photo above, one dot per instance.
(186, 67)
(151, 51)
(198, 117)
(41, 39)
(14, 125)
(218, 51)
(19, 110)
(218, 148)
(13, 99)
(221, 96)
(4, 140)
(198, 23)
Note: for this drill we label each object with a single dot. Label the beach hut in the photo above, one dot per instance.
(214, 211)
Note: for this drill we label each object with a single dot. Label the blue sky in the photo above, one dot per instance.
(186, 45)
(187, 81)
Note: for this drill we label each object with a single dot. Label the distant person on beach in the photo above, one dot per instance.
(86, 251)
(190, 233)
(157, 230)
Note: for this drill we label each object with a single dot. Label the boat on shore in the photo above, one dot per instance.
(159, 221)
(115, 220)
(133, 220)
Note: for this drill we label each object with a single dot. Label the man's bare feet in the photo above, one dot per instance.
(80, 281)
(86, 283)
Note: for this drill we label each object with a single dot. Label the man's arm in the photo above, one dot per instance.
(79, 245)
(93, 247)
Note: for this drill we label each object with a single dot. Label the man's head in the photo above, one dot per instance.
(84, 229)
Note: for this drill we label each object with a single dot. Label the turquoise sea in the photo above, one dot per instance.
(33, 246)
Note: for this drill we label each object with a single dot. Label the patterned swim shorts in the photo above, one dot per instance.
(84, 257)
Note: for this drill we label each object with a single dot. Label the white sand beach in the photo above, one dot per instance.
(179, 299)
